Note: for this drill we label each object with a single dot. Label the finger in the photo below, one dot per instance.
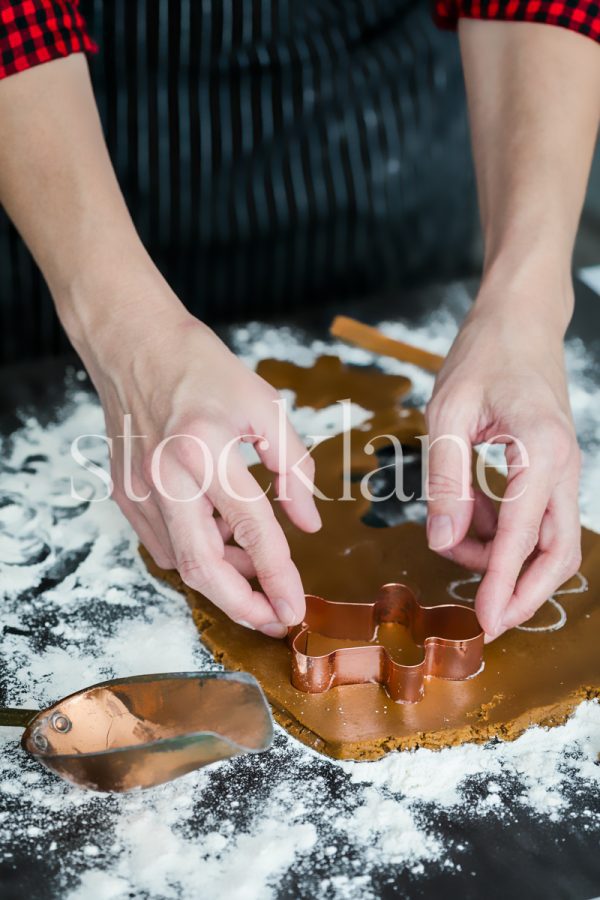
(521, 511)
(559, 559)
(473, 552)
(240, 561)
(255, 528)
(283, 452)
(163, 558)
(470, 553)
(235, 555)
(449, 490)
(200, 556)
(203, 568)
(141, 505)
(224, 529)
(150, 511)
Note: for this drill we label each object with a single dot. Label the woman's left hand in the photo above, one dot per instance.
(505, 376)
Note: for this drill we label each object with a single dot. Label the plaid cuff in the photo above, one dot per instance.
(36, 31)
(578, 15)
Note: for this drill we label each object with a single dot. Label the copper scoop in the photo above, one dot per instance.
(142, 731)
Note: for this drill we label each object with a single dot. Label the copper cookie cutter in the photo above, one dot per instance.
(450, 635)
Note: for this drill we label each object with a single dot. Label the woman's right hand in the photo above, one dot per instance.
(151, 360)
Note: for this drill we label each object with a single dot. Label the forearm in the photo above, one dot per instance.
(58, 186)
(534, 106)
(151, 359)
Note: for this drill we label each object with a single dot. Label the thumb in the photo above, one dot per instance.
(450, 497)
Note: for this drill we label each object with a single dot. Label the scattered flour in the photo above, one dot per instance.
(80, 607)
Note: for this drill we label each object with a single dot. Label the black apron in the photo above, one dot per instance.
(273, 153)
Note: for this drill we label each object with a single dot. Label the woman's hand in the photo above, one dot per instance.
(151, 360)
(534, 98)
(505, 375)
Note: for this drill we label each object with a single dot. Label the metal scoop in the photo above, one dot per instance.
(142, 731)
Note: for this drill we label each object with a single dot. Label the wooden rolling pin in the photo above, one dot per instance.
(361, 335)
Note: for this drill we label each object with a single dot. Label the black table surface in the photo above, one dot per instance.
(525, 856)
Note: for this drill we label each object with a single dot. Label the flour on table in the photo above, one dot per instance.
(78, 606)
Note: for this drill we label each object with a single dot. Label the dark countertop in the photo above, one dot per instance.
(519, 854)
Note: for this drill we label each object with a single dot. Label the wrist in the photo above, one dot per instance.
(117, 298)
(534, 293)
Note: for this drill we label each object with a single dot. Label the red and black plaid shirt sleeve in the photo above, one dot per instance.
(578, 15)
(36, 31)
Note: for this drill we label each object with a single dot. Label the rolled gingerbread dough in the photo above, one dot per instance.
(532, 675)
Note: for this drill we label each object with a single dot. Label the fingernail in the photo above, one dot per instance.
(285, 612)
(246, 624)
(447, 554)
(274, 630)
(439, 532)
(490, 636)
(317, 520)
(494, 631)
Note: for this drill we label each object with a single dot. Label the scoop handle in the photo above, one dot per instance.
(17, 718)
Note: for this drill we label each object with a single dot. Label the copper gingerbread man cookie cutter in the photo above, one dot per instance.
(449, 634)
